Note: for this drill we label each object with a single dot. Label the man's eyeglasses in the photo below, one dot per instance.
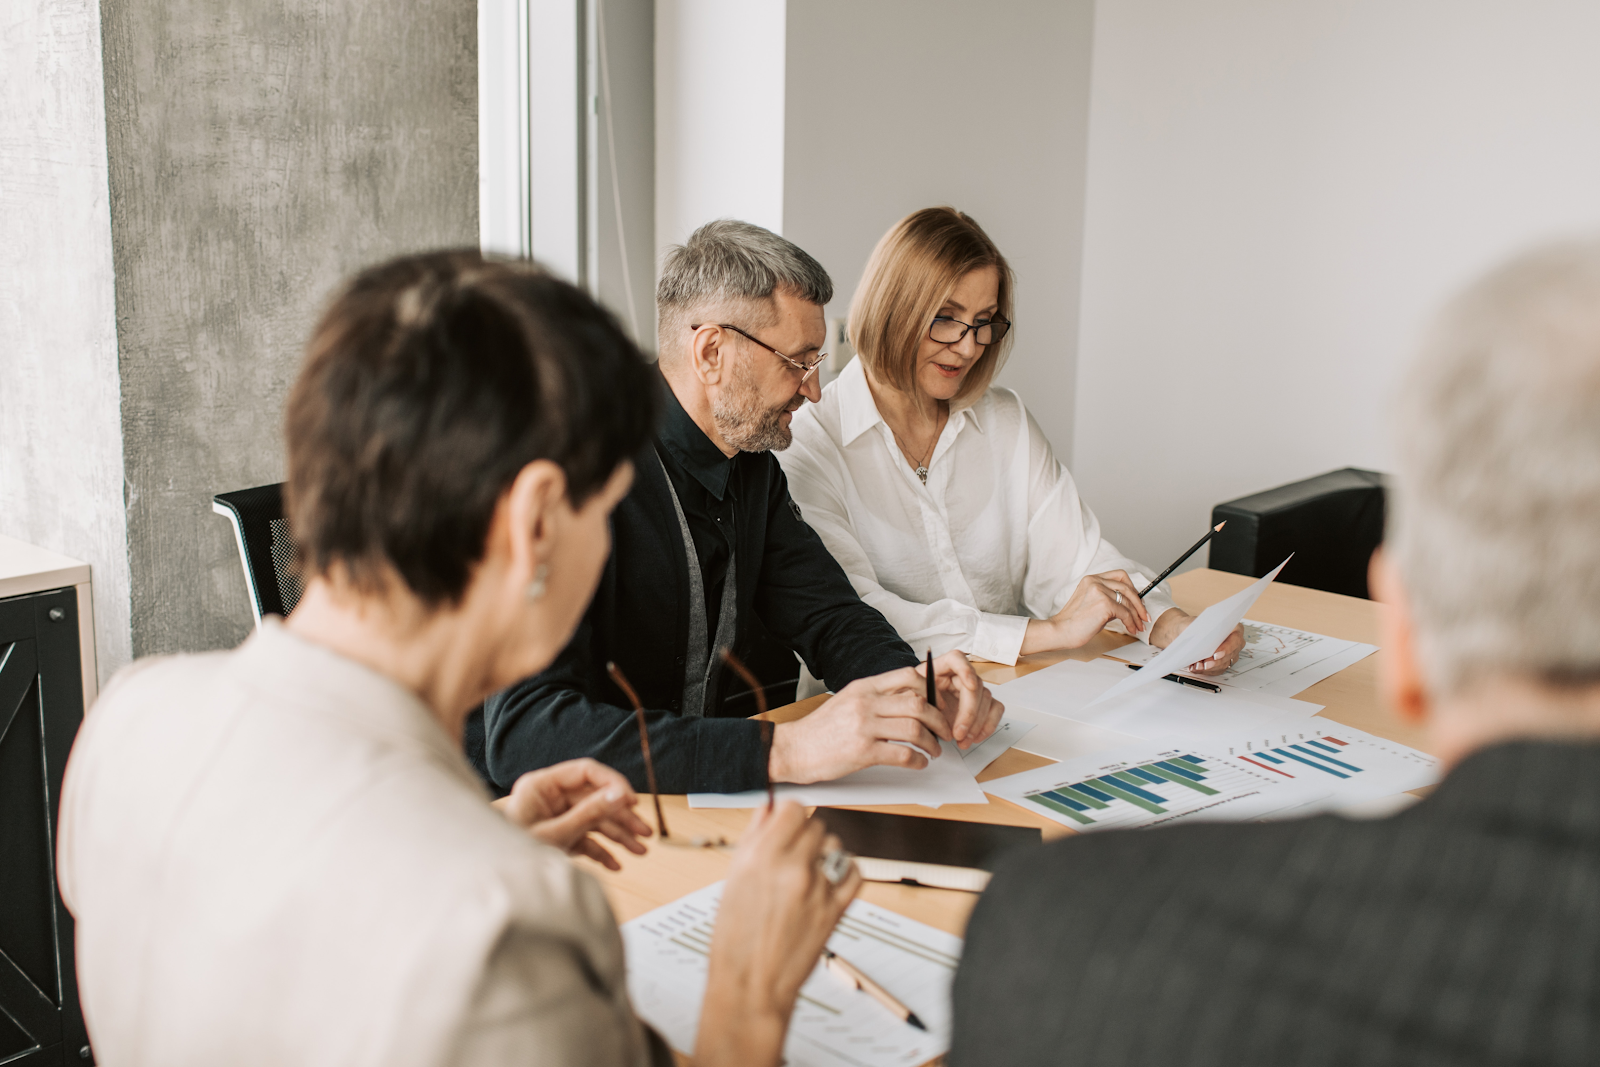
(948, 331)
(805, 369)
(649, 764)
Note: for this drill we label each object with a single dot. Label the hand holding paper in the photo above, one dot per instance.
(1200, 639)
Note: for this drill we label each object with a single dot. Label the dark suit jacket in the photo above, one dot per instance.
(640, 619)
(1463, 931)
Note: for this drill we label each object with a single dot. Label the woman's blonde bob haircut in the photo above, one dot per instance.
(907, 280)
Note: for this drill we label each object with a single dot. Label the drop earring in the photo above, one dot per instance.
(535, 590)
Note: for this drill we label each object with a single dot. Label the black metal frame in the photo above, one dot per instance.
(252, 512)
(41, 707)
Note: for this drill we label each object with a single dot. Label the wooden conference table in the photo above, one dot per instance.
(1350, 697)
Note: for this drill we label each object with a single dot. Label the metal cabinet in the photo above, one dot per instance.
(41, 705)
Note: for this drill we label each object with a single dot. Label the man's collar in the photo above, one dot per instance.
(858, 412)
(690, 446)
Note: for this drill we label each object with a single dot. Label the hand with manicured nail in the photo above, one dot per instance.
(565, 805)
(1175, 620)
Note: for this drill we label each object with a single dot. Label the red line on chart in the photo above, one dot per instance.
(1264, 767)
(1336, 741)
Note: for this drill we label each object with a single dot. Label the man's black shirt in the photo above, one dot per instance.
(640, 619)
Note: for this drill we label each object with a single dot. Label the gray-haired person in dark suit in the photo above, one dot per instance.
(1465, 930)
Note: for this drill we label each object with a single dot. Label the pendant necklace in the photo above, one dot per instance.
(921, 464)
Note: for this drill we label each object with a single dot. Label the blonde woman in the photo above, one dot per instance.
(937, 491)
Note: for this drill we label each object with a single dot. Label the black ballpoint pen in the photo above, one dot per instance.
(933, 694)
(1182, 680)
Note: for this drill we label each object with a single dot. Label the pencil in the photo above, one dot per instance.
(852, 974)
(1179, 561)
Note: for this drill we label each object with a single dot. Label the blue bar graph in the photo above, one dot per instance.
(1176, 769)
(1063, 798)
(1310, 763)
(1085, 787)
(1132, 787)
(1330, 759)
(1147, 776)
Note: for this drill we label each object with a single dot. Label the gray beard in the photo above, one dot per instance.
(745, 424)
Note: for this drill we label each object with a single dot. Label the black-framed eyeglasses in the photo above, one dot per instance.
(805, 369)
(948, 331)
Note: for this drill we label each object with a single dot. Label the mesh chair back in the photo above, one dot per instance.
(265, 547)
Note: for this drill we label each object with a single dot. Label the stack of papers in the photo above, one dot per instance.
(1276, 659)
(1073, 689)
(834, 1025)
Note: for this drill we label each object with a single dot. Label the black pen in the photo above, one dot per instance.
(1179, 561)
(933, 694)
(1182, 680)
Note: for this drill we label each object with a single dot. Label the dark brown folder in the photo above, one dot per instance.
(945, 853)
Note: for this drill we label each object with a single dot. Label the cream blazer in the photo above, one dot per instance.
(276, 856)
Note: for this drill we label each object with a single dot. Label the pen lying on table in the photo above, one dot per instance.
(853, 976)
(1181, 680)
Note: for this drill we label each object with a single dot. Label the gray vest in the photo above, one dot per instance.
(702, 660)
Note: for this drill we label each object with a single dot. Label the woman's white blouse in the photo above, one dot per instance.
(998, 536)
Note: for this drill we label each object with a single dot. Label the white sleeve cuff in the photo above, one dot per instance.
(999, 638)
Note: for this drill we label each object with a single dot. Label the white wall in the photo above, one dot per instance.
(61, 463)
(719, 114)
(1278, 197)
(624, 188)
(903, 104)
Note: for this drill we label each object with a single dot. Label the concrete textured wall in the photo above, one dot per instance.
(260, 150)
(902, 104)
(60, 440)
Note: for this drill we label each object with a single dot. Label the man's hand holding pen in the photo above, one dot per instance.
(859, 726)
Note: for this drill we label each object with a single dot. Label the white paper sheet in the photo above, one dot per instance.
(1200, 638)
(1072, 689)
(1007, 734)
(1276, 659)
(833, 1025)
(946, 780)
(1314, 766)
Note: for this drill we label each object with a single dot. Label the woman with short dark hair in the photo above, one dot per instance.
(277, 854)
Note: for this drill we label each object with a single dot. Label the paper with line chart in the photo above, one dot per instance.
(1276, 659)
(834, 1025)
(1315, 766)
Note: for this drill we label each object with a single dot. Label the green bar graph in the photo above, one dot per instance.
(1122, 794)
(1062, 809)
(1178, 779)
(1085, 798)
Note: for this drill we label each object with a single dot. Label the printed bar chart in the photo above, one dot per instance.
(1289, 774)
(1130, 796)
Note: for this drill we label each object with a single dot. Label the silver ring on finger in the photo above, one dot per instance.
(1119, 598)
(836, 865)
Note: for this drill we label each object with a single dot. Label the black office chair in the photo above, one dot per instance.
(1332, 523)
(265, 547)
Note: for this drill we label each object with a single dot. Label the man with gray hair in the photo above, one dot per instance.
(709, 551)
(1463, 931)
